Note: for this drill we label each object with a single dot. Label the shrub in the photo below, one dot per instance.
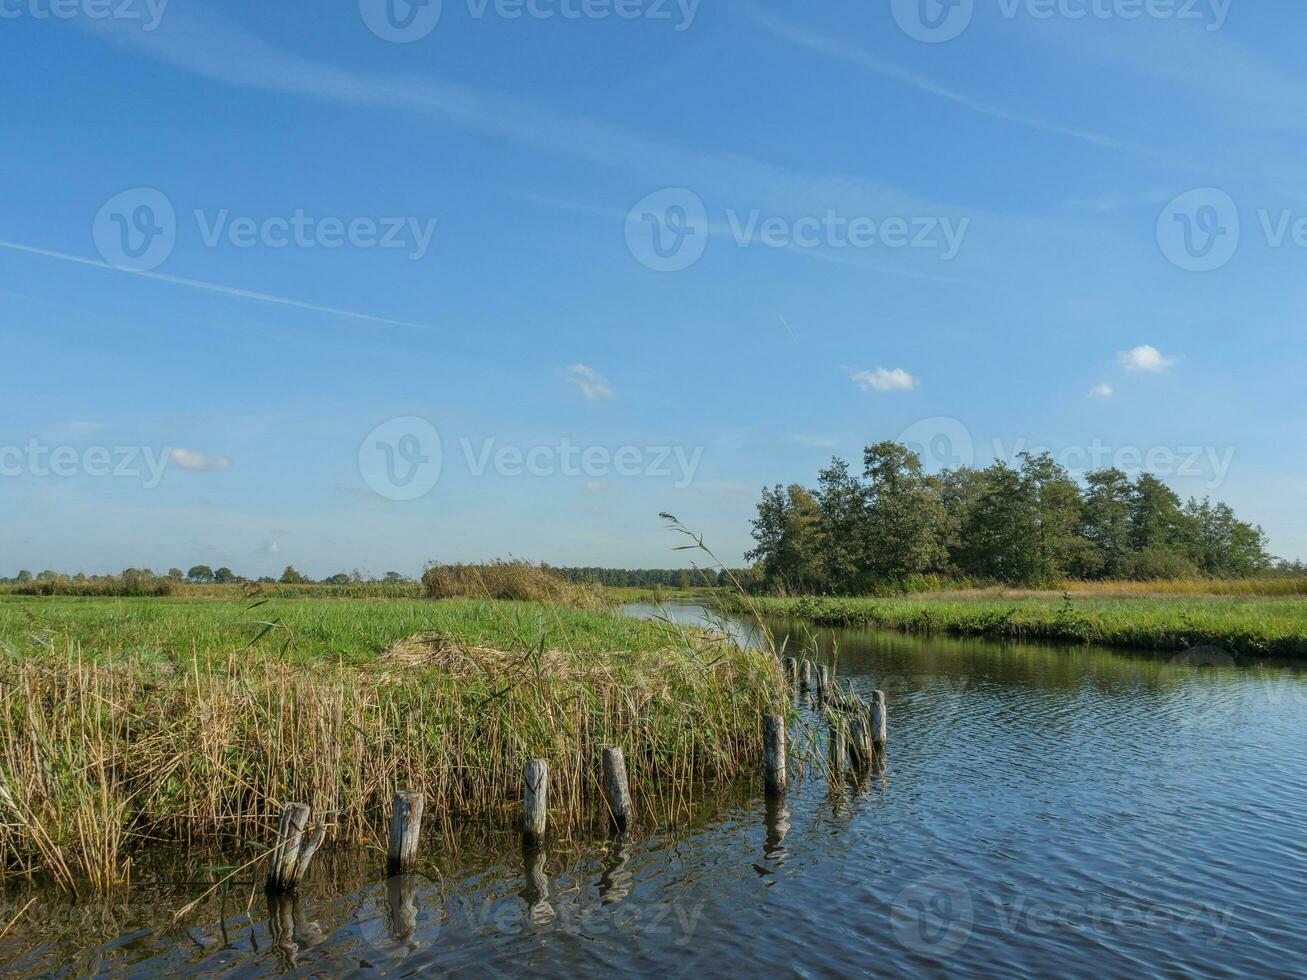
(519, 580)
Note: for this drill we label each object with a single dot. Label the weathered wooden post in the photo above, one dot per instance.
(405, 829)
(773, 754)
(616, 790)
(879, 723)
(791, 669)
(860, 748)
(535, 800)
(838, 746)
(292, 851)
(823, 684)
(805, 676)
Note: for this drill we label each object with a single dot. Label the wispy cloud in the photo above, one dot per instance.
(592, 384)
(210, 287)
(884, 380)
(817, 442)
(1101, 391)
(1145, 357)
(841, 50)
(189, 459)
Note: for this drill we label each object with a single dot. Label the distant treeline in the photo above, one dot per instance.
(649, 578)
(1026, 525)
(145, 581)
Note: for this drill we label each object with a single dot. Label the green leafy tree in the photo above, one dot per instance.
(1105, 524)
(200, 573)
(292, 577)
(175, 574)
(904, 515)
(224, 576)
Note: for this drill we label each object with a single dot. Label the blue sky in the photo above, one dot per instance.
(558, 272)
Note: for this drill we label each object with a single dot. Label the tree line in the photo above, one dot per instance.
(204, 575)
(1028, 524)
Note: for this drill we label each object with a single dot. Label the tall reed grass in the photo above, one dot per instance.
(98, 754)
(519, 580)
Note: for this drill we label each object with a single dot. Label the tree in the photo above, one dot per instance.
(340, 578)
(842, 527)
(1057, 509)
(24, 577)
(1105, 524)
(1155, 517)
(786, 532)
(175, 574)
(393, 577)
(1001, 531)
(904, 515)
(200, 573)
(292, 577)
(224, 576)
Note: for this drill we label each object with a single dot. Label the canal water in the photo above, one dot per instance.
(1041, 811)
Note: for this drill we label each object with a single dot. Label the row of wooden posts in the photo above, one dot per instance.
(857, 731)
(295, 847)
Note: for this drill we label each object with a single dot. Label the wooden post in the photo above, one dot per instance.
(805, 676)
(292, 853)
(405, 829)
(535, 800)
(823, 684)
(838, 748)
(616, 791)
(791, 669)
(879, 723)
(773, 754)
(860, 749)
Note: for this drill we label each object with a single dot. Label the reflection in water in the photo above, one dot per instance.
(535, 893)
(778, 826)
(1156, 806)
(401, 908)
(615, 882)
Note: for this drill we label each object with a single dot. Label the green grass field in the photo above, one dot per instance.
(354, 631)
(1268, 626)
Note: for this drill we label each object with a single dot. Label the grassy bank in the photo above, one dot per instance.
(1247, 626)
(124, 720)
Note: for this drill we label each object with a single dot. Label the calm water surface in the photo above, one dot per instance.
(1041, 811)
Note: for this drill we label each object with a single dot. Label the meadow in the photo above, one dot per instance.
(1147, 619)
(125, 720)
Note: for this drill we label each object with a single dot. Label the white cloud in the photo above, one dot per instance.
(1145, 357)
(592, 384)
(1101, 391)
(272, 548)
(189, 459)
(883, 380)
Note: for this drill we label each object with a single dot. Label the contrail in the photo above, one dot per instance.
(210, 287)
